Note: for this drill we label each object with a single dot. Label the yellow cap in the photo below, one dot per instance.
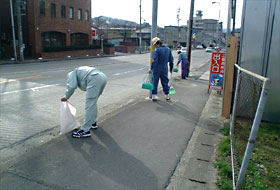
(155, 40)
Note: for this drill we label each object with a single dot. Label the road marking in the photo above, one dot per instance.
(29, 89)
(205, 76)
(128, 71)
(201, 65)
(25, 78)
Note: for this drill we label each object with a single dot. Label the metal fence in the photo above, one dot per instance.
(251, 91)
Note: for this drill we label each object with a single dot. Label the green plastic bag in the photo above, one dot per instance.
(147, 82)
(171, 90)
(175, 69)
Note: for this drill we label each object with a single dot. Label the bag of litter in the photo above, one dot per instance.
(68, 122)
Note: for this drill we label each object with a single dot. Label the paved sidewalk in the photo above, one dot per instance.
(137, 147)
(196, 168)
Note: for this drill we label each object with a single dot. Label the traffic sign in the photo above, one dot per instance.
(216, 78)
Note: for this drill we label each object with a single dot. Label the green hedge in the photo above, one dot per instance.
(70, 48)
(108, 45)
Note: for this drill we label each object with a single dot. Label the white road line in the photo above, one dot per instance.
(128, 71)
(29, 89)
(205, 76)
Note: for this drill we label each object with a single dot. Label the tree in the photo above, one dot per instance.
(99, 24)
(127, 30)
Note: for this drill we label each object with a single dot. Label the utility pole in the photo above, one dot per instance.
(13, 29)
(190, 32)
(233, 17)
(229, 19)
(178, 19)
(153, 34)
(19, 30)
(218, 24)
(140, 34)
(154, 19)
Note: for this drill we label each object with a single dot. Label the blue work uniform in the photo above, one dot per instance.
(91, 80)
(159, 66)
(185, 64)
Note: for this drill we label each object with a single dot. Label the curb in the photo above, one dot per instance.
(8, 62)
(50, 60)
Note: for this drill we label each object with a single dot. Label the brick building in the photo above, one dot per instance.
(52, 24)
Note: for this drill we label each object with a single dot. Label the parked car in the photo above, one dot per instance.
(199, 47)
(208, 49)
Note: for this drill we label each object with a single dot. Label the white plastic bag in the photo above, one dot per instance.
(68, 122)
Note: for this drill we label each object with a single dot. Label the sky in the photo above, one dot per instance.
(167, 10)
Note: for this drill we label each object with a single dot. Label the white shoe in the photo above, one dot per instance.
(155, 97)
(167, 97)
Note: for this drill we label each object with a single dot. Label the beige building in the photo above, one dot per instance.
(205, 32)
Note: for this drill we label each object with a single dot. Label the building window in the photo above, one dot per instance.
(86, 16)
(42, 8)
(80, 14)
(79, 39)
(71, 13)
(53, 10)
(63, 11)
(53, 39)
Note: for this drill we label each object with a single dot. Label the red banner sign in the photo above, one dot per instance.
(216, 78)
(93, 32)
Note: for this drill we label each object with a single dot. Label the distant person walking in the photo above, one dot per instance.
(159, 67)
(183, 58)
(93, 81)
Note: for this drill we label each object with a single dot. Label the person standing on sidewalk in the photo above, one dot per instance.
(159, 67)
(183, 58)
(93, 81)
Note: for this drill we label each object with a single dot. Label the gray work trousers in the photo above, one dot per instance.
(95, 85)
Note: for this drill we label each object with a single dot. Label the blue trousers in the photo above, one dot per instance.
(163, 76)
(185, 68)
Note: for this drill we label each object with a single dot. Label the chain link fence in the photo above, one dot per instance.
(249, 101)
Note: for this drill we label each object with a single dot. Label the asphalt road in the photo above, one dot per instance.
(30, 93)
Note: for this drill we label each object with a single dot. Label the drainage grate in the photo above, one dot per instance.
(209, 133)
(203, 160)
(206, 144)
(197, 181)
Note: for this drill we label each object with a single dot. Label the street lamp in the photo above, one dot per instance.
(214, 2)
(178, 19)
(13, 29)
(219, 39)
(140, 34)
(107, 22)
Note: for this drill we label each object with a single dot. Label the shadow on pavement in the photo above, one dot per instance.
(107, 158)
